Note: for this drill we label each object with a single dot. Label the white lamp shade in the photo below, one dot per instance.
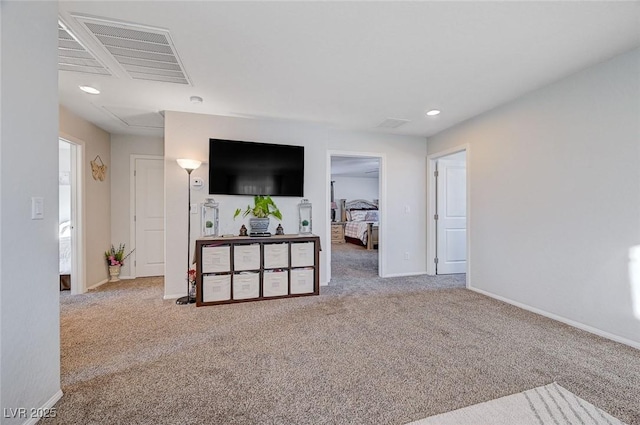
(188, 164)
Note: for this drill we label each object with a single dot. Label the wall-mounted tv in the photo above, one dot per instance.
(249, 168)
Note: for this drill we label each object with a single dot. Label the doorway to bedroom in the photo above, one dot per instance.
(69, 216)
(355, 216)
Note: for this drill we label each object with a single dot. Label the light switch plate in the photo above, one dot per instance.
(37, 208)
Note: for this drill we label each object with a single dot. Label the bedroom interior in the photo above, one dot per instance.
(64, 213)
(554, 253)
(355, 193)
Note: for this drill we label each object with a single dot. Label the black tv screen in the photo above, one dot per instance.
(248, 168)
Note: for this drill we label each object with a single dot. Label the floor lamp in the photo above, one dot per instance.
(189, 165)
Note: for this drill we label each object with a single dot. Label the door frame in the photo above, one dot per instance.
(132, 207)
(78, 236)
(431, 208)
(382, 206)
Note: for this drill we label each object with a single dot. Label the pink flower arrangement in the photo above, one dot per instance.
(116, 257)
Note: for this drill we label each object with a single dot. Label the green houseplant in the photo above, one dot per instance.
(263, 207)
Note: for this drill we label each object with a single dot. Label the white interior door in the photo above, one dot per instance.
(451, 207)
(149, 217)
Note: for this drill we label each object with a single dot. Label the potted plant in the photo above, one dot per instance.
(304, 228)
(263, 207)
(115, 260)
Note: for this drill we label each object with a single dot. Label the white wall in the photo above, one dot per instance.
(122, 147)
(555, 197)
(97, 194)
(187, 136)
(351, 188)
(29, 288)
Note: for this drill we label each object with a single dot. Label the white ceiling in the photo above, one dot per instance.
(355, 166)
(348, 64)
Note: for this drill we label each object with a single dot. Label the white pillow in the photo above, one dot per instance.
(372, 216)
(358, 215)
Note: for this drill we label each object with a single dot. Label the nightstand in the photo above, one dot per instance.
(337, 232)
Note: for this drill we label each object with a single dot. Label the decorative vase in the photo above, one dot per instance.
(192, 290)
(114, 272)
(259, 225)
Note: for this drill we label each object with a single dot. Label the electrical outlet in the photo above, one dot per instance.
(406, 255)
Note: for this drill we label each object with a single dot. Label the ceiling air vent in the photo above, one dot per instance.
(73, 56)
(145, 53)
(392, 123)
(136, 117)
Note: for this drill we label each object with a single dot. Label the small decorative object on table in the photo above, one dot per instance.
(209, 217)
(304, 209)
(279, 230)
(115, 260)
(243, 230)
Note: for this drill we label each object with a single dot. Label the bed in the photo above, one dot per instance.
(361, 219)
(64, 237)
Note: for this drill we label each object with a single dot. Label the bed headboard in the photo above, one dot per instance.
(361, 204)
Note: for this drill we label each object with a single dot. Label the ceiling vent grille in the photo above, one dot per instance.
(73, 56)
(144, 53)
(136, 117)
(392, 123)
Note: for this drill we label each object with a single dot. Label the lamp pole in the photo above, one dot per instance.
(189, 165)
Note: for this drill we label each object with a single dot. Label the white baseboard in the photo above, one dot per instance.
(405, 274)
(102, 282)
(45, 407)
(569, 322)
(173, 296)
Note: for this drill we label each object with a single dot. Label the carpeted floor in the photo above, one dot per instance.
(349, 262)
(366, 351)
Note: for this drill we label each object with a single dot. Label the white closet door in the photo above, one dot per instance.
(149, 217)
(452, 216)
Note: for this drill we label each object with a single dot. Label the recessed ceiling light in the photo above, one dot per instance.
(195, 99)
(89, 89)
(433, 112)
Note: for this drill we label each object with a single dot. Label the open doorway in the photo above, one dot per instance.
(447, 212)
(70, 216)
(355, 223)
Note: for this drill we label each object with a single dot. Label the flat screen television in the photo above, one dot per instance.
(249, 168)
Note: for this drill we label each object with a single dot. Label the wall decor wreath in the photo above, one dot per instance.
(98, 169)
